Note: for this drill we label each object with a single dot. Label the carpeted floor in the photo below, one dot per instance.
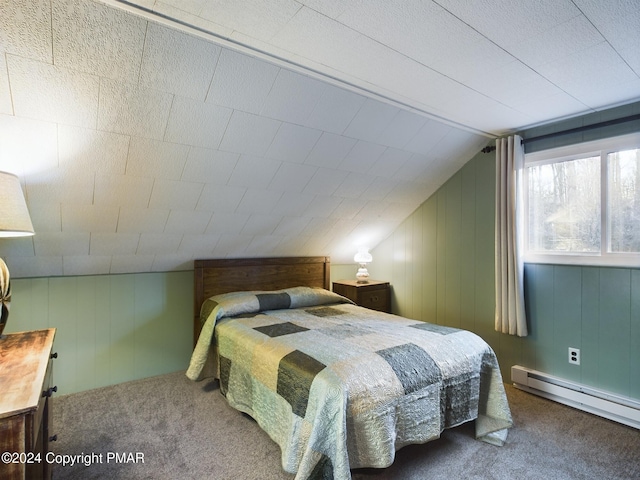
(168, 427)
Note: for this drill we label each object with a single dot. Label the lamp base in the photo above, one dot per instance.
(5, 295)
(363, 275)
(3, 319)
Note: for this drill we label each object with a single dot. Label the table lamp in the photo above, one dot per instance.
(14, 222)
(362, 257)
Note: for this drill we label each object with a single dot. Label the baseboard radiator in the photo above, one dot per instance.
(614, 407)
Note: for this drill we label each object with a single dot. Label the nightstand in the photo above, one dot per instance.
(374, 295)
(25, 403)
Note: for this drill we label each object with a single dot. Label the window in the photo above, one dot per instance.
(582, 203)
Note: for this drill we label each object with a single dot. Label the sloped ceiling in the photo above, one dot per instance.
(148, 134)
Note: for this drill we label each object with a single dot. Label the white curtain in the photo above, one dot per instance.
(510, 311)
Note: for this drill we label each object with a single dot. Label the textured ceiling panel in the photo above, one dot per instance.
(293, 143)
(258, 128)
(557, 42)
(292, 97)
(6, 106)
(241, 82)
(618, 22)
(334, 110)
(79, 33)
(262, 18)
(25, 29)
(114, 243)
(175, 194)
(196, 123)
(57, 243)
(214, 165)
(92, 150)
(126, 191)
(133, 110)
(142, 220)
(52, 93)
(330, 150)
(186, 69)
(248, 133)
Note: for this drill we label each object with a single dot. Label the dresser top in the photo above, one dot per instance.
(370, 283)
(23, 364)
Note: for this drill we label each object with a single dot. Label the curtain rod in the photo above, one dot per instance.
(583, 128)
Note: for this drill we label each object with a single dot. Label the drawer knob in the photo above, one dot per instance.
(374, 298)
(53, 438)
(50, 391)
(54, 355)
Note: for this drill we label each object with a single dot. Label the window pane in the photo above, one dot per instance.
(624, 200)
(564, 206)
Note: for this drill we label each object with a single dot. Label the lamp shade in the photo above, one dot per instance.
(363, 257)
(14, 215)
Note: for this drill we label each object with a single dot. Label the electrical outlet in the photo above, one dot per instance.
(574, 356)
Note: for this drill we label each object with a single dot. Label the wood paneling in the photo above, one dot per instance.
(467, 247)
(615, 327)
(567, 311)
(634, 336)
(589, 334)
(429, 261)
(110, 328)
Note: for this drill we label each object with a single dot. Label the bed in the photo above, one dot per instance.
(336, 385)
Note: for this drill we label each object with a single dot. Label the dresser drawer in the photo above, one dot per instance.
(25, 386)
(42, 404)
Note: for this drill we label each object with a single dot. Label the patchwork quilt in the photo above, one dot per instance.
(339, 386)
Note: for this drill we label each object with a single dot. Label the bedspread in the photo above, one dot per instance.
(338, 386)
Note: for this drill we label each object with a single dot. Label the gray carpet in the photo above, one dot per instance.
(185, 430)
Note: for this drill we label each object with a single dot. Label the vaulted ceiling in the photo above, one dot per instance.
(148, 133)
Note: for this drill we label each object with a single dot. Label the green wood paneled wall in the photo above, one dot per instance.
(110, 328)
(440, 264)
(593, 309)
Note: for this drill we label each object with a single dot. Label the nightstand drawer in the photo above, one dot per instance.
(375, 299)
(374, 295)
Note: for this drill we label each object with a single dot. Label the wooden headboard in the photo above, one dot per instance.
(214, 277)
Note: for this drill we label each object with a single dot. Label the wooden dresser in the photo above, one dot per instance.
(374, 295)
(25, 408)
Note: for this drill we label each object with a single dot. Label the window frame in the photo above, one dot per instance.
(599, 148)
